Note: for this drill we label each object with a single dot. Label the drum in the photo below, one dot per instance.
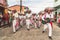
(48, 20)
(43, 22)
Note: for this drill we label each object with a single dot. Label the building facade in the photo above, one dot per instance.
(17, 8)
(4, 2)
(3, 5)
(57, 7)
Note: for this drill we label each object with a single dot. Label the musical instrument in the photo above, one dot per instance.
(47, 20)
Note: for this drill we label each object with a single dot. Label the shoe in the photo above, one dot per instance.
(38, 27)
(43, 31)
(50, 37)
(28, 29)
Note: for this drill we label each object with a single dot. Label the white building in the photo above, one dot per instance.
(57, 6)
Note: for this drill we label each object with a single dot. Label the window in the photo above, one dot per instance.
(56, 0)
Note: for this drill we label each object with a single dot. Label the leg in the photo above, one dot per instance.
(14, 23)
(50, 29)
(28, 24)
(17, 25)
(45, 27)
(21, 23)
(39, 24)
(35, 25)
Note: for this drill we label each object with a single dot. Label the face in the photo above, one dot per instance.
(28, 13)
(49, 11)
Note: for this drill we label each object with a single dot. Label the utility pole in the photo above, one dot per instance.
(20, 5)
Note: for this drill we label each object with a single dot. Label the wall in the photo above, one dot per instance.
(57, 3)
(17, 7)
(4, 2)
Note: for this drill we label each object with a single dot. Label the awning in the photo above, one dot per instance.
(3, 5)
(57, 7)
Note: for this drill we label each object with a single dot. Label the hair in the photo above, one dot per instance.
(29, 11)
(14, 11)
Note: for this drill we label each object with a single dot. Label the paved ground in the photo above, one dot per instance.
(33, 34)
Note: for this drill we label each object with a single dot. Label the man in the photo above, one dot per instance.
(28, 22)
(58, 20)
(34, 20)
(1, 16)
(21, 19)
(15, 21)
(52, 17)
(39, 19)
(10, 17)
(46, 18)
(24, 19)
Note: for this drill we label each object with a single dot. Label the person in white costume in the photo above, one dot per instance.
(39, 19)
(34, 20)
(28, 22)
(46, 18)
(24, 19)
(15, 21)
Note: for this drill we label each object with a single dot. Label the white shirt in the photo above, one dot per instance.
(51, 15)
(20, 16)
(15, 15)
(43, 17)
(28, 15)
(9, 12)
(24, 17)
(46, 16)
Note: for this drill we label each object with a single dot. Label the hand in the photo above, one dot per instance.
(45, 20)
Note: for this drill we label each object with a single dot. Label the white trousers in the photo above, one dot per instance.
(48, 25)
(39, 23)
(14, 23)
(28, 23)
(21, 22)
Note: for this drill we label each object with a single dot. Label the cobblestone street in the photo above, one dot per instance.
(33, 34)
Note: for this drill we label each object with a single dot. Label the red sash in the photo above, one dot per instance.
(51, 25)
(17, 24)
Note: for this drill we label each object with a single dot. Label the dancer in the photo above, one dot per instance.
(58, 20)
(34, 20)
(28, 22)
(15, 21)
(39, 19)
(46, 18)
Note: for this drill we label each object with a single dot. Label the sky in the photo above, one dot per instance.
(34, 5)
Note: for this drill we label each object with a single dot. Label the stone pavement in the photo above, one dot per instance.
(33, 34)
